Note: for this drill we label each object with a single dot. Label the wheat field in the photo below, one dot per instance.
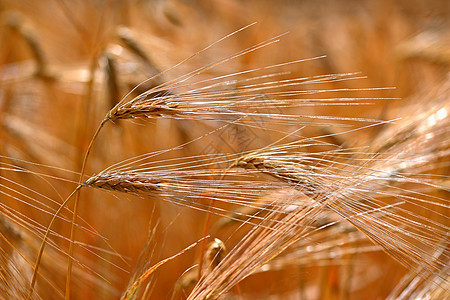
(224, 149)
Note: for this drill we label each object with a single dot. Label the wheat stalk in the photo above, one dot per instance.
(392, 186)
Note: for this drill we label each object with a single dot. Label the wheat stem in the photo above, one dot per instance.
(75, 211)
(44, 240)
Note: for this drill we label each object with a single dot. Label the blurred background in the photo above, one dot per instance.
(65, 64)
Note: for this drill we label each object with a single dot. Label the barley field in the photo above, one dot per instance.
(224, 149)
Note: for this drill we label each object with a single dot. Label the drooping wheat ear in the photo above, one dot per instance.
(141, 110)
(236, 94)
(125, 183)
(231, 98)
(190, 188)
(272, 167)
(355, 188)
